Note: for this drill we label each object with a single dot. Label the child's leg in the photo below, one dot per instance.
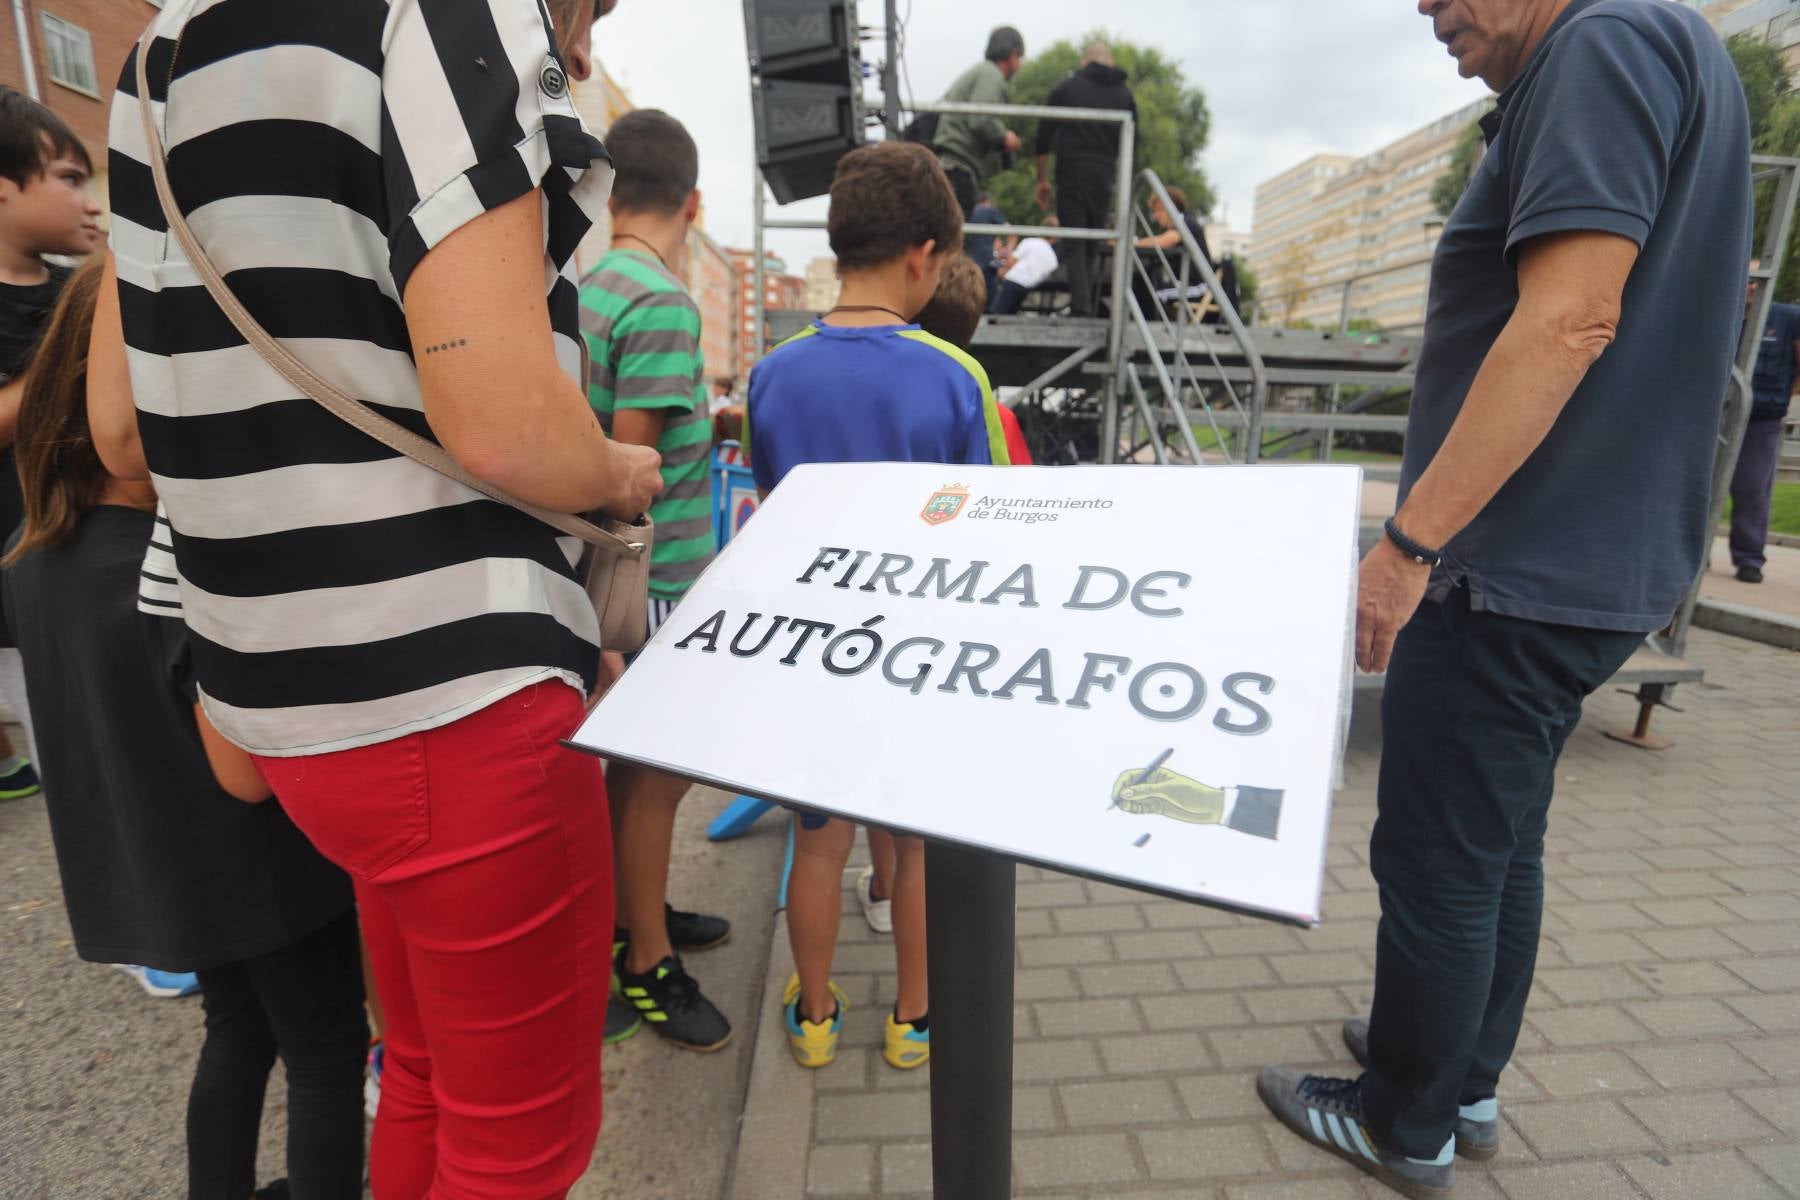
(225, 1103)
(815, 901)
(909, 928)
(644, 807)
(881, 857)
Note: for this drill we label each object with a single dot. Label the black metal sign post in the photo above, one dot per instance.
(969, 932)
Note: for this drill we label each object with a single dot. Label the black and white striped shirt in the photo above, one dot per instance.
(339, 594)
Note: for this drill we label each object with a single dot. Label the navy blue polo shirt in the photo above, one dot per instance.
(1773, 382)
(1628, 119)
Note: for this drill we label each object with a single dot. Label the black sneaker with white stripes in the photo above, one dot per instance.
(1328, 1113)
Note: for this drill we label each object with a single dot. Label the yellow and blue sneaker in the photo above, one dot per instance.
(814, 1043)
(908, 1042)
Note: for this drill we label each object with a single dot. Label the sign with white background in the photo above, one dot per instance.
(1129, 673)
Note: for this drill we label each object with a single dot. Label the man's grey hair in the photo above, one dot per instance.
(1003, 43)
(1097, 52)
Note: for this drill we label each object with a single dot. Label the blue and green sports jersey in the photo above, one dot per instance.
(886, 393)
(643, 335)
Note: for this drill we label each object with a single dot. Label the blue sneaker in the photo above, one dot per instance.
(164, 985)
(1328, 1113)
(1477, 1127)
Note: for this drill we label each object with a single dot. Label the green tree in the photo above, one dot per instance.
(1763, 72)
(1173, 122)
(1450, 185)
(1249, 287)
(1774, 129)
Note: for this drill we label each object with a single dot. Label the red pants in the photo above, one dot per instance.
(482, 857)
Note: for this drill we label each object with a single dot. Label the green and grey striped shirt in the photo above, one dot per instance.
(643, 335)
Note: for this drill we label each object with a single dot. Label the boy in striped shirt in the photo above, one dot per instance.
(647, 383)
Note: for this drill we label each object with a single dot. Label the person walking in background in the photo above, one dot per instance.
(971, 147)
(162, 861)
(893, 224)
(645, 381)
(1753, 482)
(400, 654)
(1087, 164)
(1553, 511)
(46, 207)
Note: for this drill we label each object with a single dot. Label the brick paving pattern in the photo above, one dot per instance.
(1660, 1057)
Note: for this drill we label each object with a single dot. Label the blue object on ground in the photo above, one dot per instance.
(737, 819)
(164, 985)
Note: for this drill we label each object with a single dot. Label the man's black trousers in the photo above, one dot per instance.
(1084, 192)
(1475, 712)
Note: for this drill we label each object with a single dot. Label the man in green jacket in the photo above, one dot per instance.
(970, 147)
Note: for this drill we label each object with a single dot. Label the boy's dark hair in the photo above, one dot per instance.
(886, 198)
(31, 135)
(954, 310)
(655, 162)
(1179, 197)
(1004, 42)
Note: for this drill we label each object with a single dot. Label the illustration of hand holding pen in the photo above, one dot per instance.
(1158, 791)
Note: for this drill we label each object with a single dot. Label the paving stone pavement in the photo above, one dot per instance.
(1660, 1058)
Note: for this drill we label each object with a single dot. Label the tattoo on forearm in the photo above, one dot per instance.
(444, 347)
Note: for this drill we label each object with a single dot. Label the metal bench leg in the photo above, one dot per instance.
(1649, 697)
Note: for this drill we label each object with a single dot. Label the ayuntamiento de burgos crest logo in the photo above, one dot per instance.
(946, 504)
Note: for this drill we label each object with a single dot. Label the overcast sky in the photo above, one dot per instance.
(1284, 79)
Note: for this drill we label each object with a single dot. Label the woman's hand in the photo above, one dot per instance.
(637, 471)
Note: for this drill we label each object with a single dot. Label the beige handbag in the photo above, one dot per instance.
(617, 561)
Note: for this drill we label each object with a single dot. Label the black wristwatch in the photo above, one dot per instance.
(1410, 548)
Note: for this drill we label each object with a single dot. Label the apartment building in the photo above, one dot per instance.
(780, 290)
(821, 283)
(1335, 216)
(67, 54)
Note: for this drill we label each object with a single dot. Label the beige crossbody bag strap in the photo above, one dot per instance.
(350, 409)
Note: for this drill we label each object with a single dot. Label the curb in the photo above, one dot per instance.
(1791, 540)
(1755, 624)
(775, 1132)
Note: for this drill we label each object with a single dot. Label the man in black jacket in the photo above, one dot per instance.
(1087, 154)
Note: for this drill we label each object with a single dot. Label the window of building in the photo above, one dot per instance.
(70, 52)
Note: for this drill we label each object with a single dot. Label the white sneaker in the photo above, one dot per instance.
(878, 913)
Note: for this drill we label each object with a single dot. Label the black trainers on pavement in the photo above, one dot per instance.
(1477, 1126)
(687, 931)
(669, 999)
(20, 782)
(1328, 1113)
(621, 1021)
(696, 931)
(1749, 574)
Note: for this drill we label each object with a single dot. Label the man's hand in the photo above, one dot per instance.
(1046, 195)
(1011, 142)
(1388, 591)
(638, 478)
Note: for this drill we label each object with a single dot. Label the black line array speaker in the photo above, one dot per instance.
(805, 90)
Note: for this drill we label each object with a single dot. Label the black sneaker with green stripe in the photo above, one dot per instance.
(670, 1002)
